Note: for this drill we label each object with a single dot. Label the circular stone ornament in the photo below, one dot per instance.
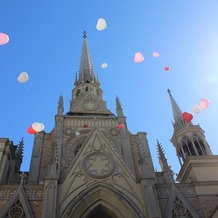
(98, 165)
(89, 105)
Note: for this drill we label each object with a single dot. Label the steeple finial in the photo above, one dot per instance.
(84, 34)
(168, 90)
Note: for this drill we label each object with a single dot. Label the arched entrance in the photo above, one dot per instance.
(101, 201)
(101, 212)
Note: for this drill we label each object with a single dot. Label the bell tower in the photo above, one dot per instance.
(96, 166)
(192, 148)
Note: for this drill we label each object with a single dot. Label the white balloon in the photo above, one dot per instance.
(23, 77)
(101, 24)
(38, 127)
(104, 65)
(196, 109)
(77, 133)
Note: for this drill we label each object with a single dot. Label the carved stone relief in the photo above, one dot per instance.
(16, 210)
(68, 132)
(113, 141)
(98, 165)
(31, 192)
(114, 131)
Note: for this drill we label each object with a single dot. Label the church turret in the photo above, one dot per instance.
(60, 105)
(192, 149)
(119, 109)
(188, 139)
(19, 155)
(161, 156)
(166, 169)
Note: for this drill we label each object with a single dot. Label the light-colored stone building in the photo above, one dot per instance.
(91, 166)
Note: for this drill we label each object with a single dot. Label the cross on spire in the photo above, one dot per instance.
(84, 34)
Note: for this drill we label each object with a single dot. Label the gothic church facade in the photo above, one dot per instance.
(90, 165)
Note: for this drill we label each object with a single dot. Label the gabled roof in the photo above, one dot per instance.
(24, 205)
(177, 200)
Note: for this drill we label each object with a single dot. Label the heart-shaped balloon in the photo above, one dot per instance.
(156, 54)
(187, 117)
(77, 133)
(38, 127)
(101, 24)
(196, 109)
(166, 68)
(3, 38)
(30, 130)
(120, 126)
(204, 103)
(23, 77)
(104, 65)
(138, 57)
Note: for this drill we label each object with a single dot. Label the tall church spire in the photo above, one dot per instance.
(177, 113)
(87, 94)
(86, 71)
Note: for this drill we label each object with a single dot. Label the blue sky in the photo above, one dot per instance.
(46, 42)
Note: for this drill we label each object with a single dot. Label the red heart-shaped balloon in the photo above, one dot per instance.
(187, 117)
(120, 126)
(30, 130)
(166, 68)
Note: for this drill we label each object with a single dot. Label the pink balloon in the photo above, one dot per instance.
(138, 57)
(3, 38)
(204, 103)
(156, 54)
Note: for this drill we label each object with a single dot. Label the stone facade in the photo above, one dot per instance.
(90, 165)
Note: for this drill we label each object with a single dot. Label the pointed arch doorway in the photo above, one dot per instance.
(101, 211)
(101, 201)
